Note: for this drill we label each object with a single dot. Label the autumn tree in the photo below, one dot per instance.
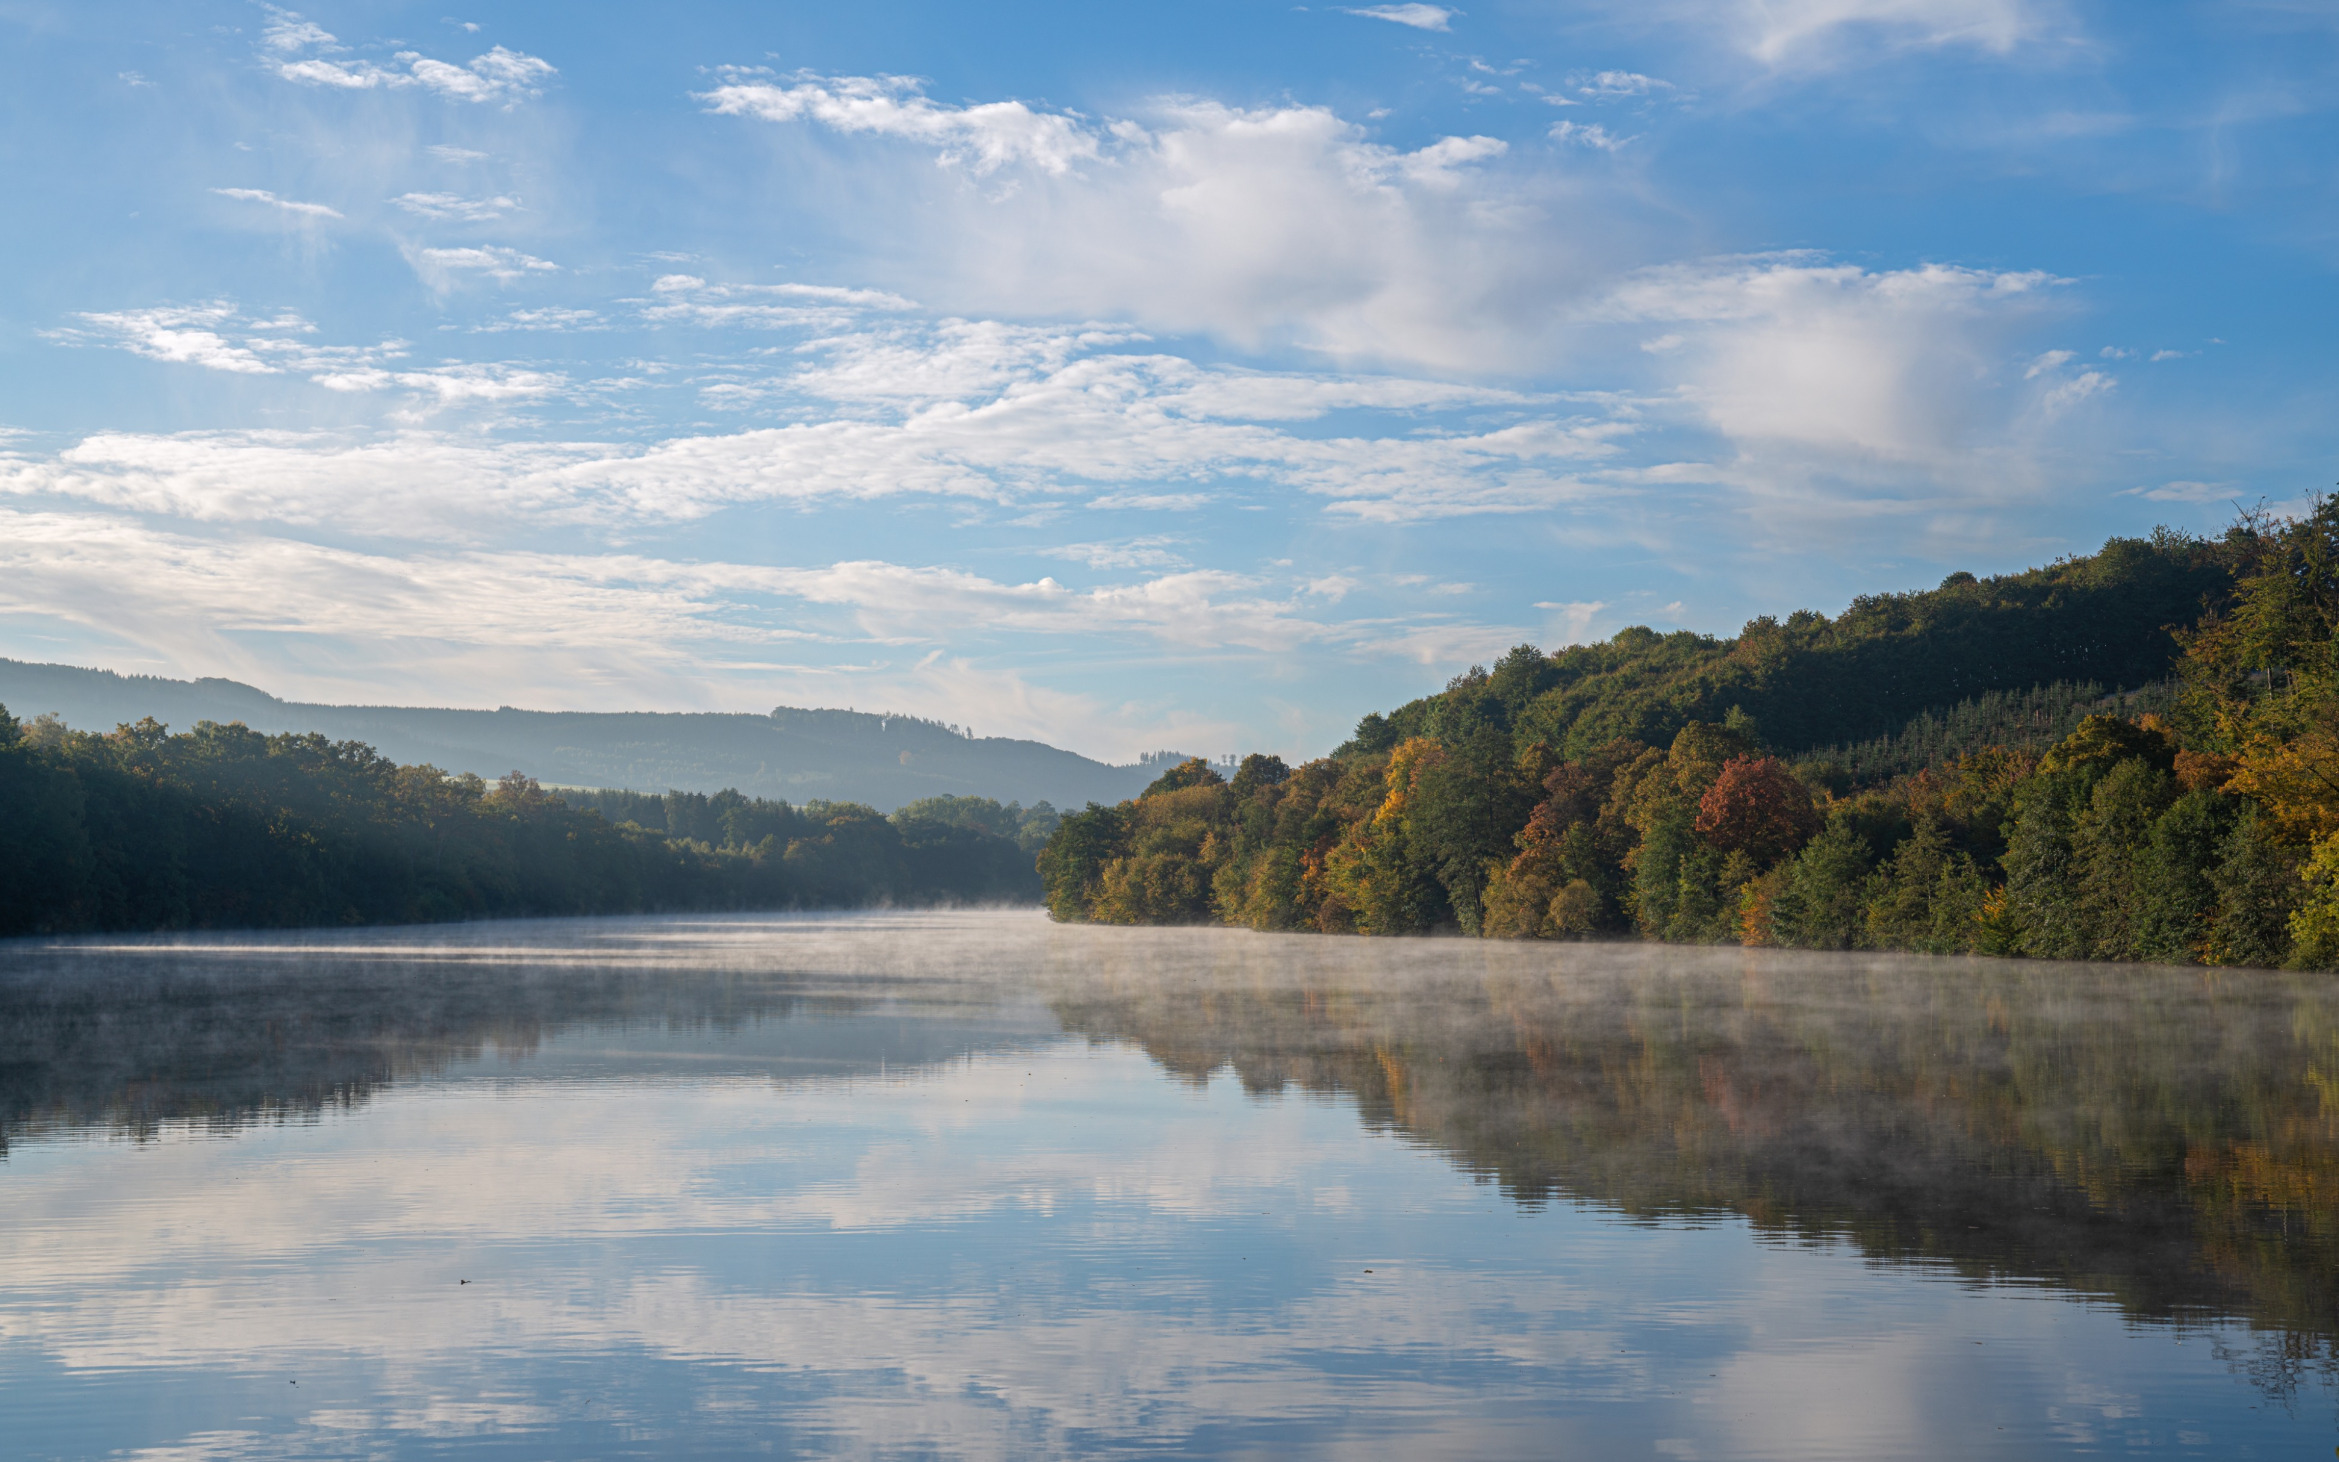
(1756, 807)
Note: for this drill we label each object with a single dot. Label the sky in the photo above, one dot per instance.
(1127, 376)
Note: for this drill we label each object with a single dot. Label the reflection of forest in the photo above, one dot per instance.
(2167, 1139)
(226, 1041)
(2164, 1138)
(220, 1035)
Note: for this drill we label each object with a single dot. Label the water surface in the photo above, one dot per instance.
(976, 1185)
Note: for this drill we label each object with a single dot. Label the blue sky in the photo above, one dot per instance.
(1125, 376)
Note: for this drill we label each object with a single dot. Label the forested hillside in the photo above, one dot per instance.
(1810, 681)
(880, 760)
(222, 827)
(1684, 788)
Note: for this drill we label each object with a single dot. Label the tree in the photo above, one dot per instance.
(1819, 903)
(1073, 863)
(1756, 807)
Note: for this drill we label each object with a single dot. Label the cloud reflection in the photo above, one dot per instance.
(981, 1186)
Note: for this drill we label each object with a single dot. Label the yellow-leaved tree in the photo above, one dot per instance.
(2262, 699)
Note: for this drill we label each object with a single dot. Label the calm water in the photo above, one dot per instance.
(973, 1185)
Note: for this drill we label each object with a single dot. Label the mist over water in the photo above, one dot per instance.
(980, 1185)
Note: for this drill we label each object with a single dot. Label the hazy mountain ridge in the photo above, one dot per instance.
(797, 754)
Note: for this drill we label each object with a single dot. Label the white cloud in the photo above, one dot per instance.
(218, 336)
(262, 195)
(445, 152)
(286, 31)
(1591, 134)
(301, 51)
(960, 409)
(985, 137)
(1197, 609)
(1608, 85)
(2064, 395)
(1154, 502)
(1420, 17)
(2052, 360)
(688, 299)
(549, 318)
(449, 385)
(1570, 620)
(456, 207)
(1809, 32)
(1270, 226)
(180, 334)
(1439, 164)
(2187, 492)
(561, 629)
(1899, 379)
(1150, 552)
(442, 269)
(1897, 365)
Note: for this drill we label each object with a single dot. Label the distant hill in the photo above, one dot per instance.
(847, 756)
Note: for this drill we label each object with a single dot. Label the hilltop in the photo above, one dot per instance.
(800, 755)
(1810, 681)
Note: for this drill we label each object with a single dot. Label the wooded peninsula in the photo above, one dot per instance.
(222, 827)
(2132, 755)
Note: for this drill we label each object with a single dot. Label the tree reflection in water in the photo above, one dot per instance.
(2166, 1140)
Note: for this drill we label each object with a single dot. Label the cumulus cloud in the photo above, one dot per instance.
(1896, 365)
(1266, 226)
(299, 50)
(985, 137)
(287, 205)
(1420, 17)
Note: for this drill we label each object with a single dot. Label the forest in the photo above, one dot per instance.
(222, 827)
(2132, 755)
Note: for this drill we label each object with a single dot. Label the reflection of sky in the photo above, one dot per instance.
(1049, 1248)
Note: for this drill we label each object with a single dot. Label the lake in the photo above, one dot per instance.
(975, 1185)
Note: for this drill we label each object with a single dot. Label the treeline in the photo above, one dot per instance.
(1668, 787)
(222, 827)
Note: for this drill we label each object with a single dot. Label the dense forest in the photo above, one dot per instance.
(1937, 771)
(222, 827)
